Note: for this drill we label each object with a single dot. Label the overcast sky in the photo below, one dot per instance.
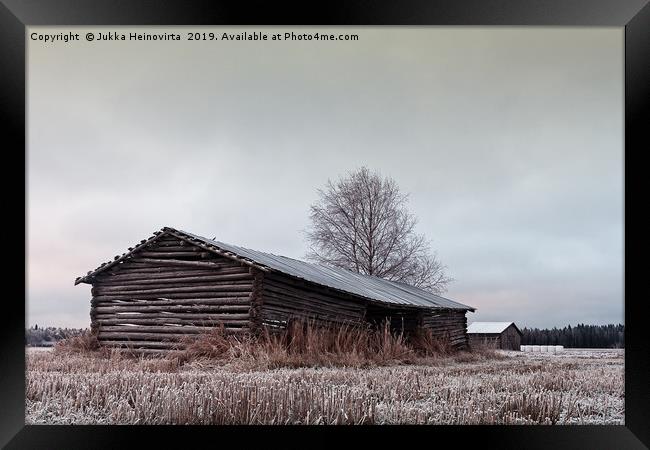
(509, 141)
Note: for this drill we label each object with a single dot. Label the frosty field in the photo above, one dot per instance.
(575, 387)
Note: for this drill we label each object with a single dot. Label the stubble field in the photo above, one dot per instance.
(575, 387)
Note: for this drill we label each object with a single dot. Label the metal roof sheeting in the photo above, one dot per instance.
(366, 286)
(488, 327)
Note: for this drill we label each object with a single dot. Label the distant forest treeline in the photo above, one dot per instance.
(580, 336)
(44, 337)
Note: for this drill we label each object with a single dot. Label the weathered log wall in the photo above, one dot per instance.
(447, 324)
(167, 291)
(401, 319)
(284, 298)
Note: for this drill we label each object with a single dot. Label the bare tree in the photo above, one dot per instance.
(361, 223)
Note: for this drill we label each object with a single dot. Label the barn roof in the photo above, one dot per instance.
(366, 286)
(489, 327)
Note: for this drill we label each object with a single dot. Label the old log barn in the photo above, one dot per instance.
(175, 284)
(503, 335)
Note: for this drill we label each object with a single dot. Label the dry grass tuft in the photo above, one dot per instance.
(426, 344)
(84, 343)
(307, 344)
(478, 354)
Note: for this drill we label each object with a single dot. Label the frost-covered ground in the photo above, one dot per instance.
(573, 387)
(573, 353)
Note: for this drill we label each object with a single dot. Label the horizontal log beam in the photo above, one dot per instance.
(208, 317)
(161, 337)
(145, 344)
(134, 336)
(181, 295)
(237, 320)
(164, 322)
(164, 316)
(157, 329)
(175, 262)
(170, 308)
(157, 337)
(169, 241)
(246, 287)
(171, 247)
(151, 268)
(151, 274)
(117, 282)
(140, 351)
(160, 254)
(275, 316)
(238, 302)
(272, 316)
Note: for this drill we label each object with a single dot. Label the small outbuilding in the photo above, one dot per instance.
(502, 335)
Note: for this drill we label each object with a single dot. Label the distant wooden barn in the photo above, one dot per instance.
(503, 335)
(176, 284)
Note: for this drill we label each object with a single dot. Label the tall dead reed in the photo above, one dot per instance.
(308, 344)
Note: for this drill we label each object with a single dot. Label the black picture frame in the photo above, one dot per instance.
(634, 15)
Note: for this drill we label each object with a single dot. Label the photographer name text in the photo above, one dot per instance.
(114, 36)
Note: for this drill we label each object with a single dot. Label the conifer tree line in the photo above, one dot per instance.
(579, 336)
(46, 336)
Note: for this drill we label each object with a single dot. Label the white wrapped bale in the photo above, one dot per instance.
(523, 348)
(543, 348)
(551, 348)
(559, 348)
(535, 348)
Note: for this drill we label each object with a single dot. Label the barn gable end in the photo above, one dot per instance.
(166, 290)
